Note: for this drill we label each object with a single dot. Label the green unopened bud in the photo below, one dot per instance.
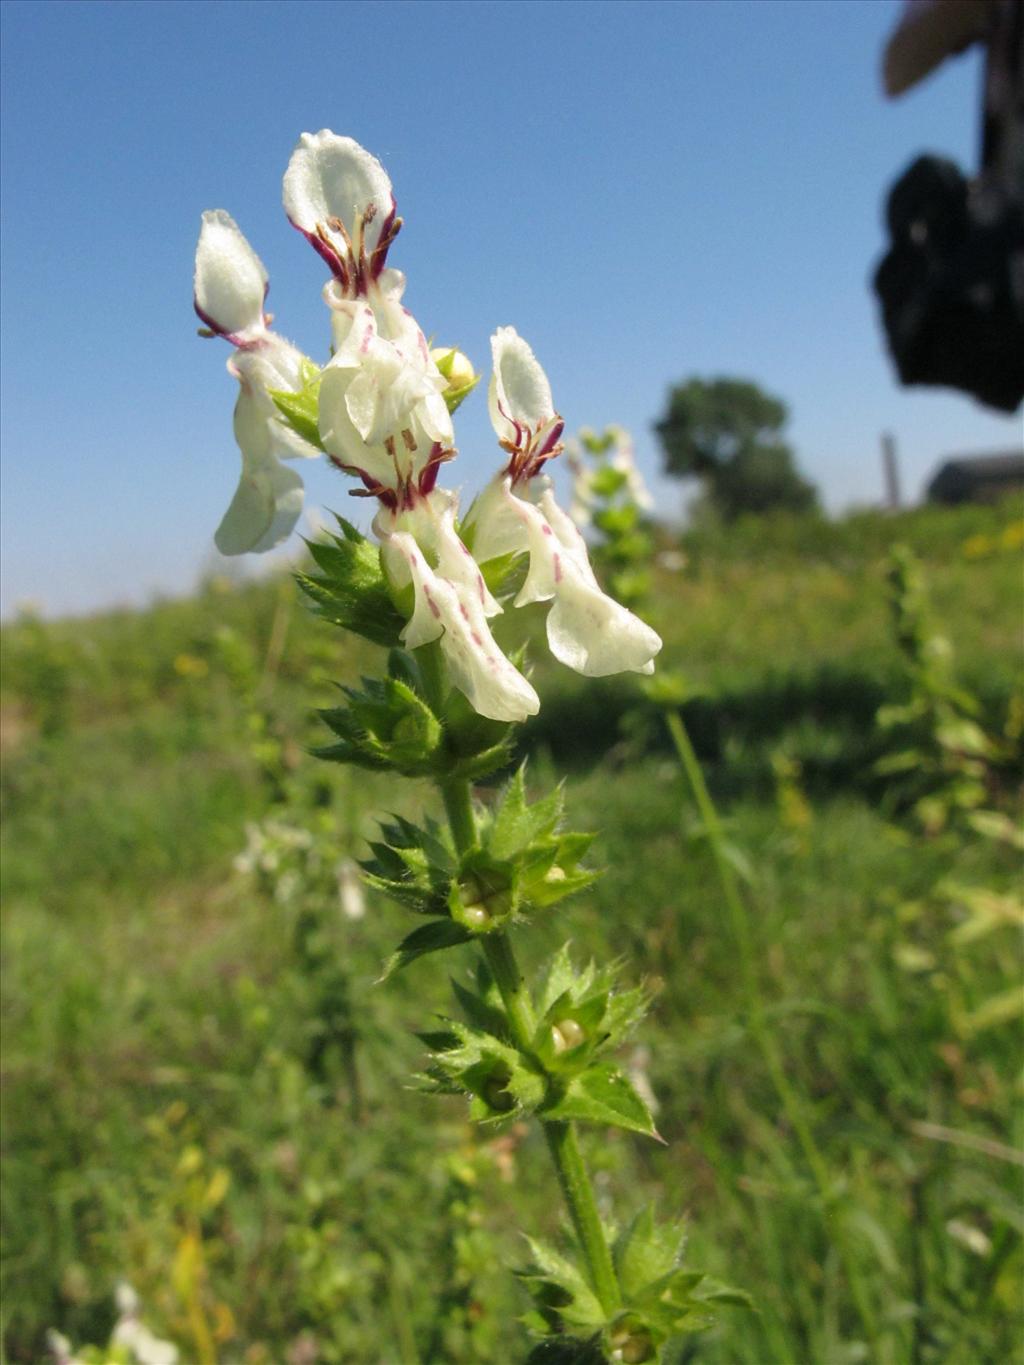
(457, 368)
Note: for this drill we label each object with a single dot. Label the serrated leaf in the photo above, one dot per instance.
(646, 1251)
(351, 590)
(583, 1308)
(347, 752)
(516, 823)
(560, 976)
(421, 900)
(727, 1296)
(602, 1095)
(428, 938)
(481, 1013)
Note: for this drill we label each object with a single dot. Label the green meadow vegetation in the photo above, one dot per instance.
(206, 1093)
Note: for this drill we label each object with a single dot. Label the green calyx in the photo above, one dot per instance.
(349, 588)
(389, 724)
(301, 410)
(661, 1298)
(583, 1020)
(521, 863)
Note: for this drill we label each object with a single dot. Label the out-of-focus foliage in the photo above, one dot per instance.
(177, 1114)
(728, 433)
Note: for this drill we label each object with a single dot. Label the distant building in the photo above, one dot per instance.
(977, 478)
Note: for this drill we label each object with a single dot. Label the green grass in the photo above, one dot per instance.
(169, 1118)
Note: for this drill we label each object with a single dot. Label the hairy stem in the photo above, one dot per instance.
(564, 1147)
(743, 934)
(561, 1137)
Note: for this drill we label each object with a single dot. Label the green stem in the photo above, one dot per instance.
(509, 980)
(458, 805)
(763, 1037)
(579, 1196)
(561, 1137)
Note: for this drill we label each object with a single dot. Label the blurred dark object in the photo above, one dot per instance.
(952, 284)
(977, 478)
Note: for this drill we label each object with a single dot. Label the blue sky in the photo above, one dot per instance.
(645, 190)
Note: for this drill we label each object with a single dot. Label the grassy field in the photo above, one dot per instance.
(205, 1092)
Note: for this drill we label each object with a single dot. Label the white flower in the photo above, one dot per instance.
(350, 890)
(230, 281)
(451, 604)
(624, 460)
(522, 412)
(587, 630)
(229, 290)
(131, 1333)
(340, 199)
(382, 409)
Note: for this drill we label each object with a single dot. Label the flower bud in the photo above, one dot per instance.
(632, 1344)
(566, 1034)
(457, 368)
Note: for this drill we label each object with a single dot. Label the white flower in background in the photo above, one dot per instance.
(131, 1340)
(587, 630)
(131, 1333)
(581, 509)
(587, 455)
(230, 287)
(623, 459)
(60, 1349)
(350, 889)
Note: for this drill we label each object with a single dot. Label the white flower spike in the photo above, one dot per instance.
(230, 286)
(587, 630)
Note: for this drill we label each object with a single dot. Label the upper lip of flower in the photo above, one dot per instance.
(230, 283)
(522, 412)
(340, 199)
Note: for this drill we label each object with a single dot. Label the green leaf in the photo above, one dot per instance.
(646, 1251)
(583, 1308)
(602, 1095)
(388, 725)
(428, 938)
(301, 410)
(607, 481)
(351, 591)
(482, 1013)
(713, 1291)
(517, 824)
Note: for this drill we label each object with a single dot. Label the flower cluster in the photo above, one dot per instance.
(380, 410)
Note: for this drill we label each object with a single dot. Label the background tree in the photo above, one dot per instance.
(728, 433)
